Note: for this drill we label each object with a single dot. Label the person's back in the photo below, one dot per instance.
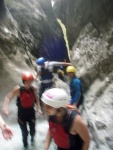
(45, 72)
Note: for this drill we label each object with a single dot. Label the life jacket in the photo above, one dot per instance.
(46, 75)
(61, 135)
(26, 99)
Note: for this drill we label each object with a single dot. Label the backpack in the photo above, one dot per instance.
(26, 99)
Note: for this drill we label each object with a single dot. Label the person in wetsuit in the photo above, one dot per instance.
(75, 87)
(26, 98)
(66, 126)
(45, 72)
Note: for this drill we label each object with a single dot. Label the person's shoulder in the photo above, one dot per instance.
(33, 87)
(78, 120)
(15, 90)
(76, 80)
(47, 63)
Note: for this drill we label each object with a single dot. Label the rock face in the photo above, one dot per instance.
(76, 14)
(94, 66)
(29, 28)
(24, 29)
(89, 27)
(40, 28)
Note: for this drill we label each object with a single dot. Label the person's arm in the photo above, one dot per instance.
(37, 101)
(47, 141)
(38, 73)
(65, 64)
(56, 63)
(76, 93)
(8, 98)
(38, 70)
(6, 131)
(82, 130)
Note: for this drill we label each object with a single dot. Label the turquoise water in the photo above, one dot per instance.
(16, 142)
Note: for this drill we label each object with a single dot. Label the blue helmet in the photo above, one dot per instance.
(40, 61)
(61, 67)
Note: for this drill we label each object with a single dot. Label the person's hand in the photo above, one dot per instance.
(40, 112)
(73, 107)
(7, 132)
(5, 112)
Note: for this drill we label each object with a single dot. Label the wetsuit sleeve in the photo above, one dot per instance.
(76, 92)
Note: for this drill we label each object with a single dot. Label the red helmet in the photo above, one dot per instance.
(27, 76)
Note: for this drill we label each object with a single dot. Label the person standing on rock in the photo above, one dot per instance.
(45, 71)
(6, 131)
(26, 98)
(75, 87)
(66, 126)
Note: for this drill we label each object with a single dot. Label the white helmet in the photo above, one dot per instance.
(55, 97)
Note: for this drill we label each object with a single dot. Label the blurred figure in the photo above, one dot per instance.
(26, 98)
(45, 72)
(66, 126)
(75, 87)
(6, 131)
(60, 73)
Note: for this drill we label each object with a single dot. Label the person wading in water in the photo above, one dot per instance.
(26, 98)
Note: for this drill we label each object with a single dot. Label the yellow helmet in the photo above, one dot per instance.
(71, 69)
